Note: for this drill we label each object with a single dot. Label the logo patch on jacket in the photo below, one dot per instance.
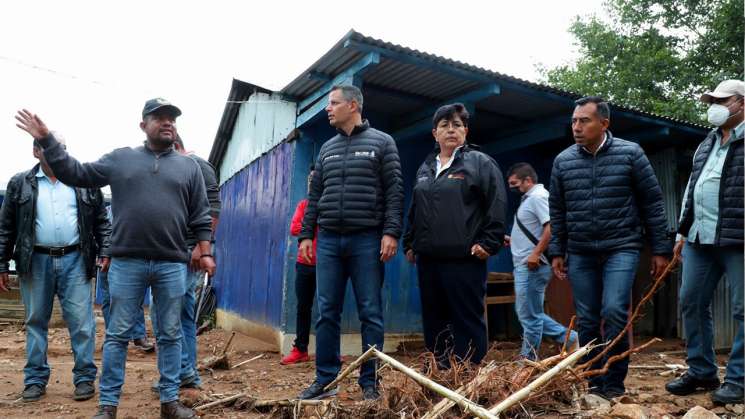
(370, 154)
(459, 176)
(333, 156)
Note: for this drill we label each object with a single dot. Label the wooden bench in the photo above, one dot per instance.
(498, 278)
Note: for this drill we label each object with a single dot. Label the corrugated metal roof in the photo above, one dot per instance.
(420, 80)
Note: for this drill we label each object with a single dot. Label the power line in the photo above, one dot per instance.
(50, 71)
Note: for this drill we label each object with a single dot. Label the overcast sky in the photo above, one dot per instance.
(87, 67)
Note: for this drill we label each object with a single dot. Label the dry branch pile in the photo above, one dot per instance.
(421, 390)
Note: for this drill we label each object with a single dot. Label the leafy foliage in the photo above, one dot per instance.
(656, 55)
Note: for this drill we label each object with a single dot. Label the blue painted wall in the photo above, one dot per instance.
(251, 241)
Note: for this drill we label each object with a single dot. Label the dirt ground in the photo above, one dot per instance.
(266, 379)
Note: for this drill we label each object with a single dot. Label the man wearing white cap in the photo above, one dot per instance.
(711, 243)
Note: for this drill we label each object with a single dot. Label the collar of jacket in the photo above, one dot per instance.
(31, 175)
(605, 146)
(162, 153)
(430, 159)
(357, 129)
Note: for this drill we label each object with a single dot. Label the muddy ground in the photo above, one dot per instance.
(266, 379)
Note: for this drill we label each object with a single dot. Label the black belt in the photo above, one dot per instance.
(56, 251)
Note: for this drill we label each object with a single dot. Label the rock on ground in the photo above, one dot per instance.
(699, 412)
(629, 411)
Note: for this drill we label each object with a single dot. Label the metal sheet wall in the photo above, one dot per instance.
(263, 122)
(251, 239)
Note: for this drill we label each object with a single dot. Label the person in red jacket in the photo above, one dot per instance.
(305, 290)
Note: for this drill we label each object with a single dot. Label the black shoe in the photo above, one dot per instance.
(105, 412)
(613, 392)
(33, 392)
(176, 410)
(728, 393)
(370, 393)
(687, 384)
(84, 391)
(316, 392)
(143, 344)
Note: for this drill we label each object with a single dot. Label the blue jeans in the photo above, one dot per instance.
(703, 266)
(342, 256)
(139, 328)
(530, 289)
(64, 276)
(601, 285)
(189, 373)
(128, 279)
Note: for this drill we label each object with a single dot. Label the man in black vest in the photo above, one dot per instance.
(711, 244)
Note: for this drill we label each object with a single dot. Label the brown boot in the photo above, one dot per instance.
(176, 410)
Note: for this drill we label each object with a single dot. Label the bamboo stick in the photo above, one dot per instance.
(445, 404)
(538, 382)
(227, 345)
(288, 402)
(220, 402)
(246, 361)
(464, 403)
(353, 366)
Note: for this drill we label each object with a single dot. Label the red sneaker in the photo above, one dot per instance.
(294, 357)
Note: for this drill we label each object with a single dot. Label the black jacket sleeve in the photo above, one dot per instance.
(212, 185)
(648, 195)
(70, 171)
(557, 210)
(102, 226)
(310, 219)
(200, 222)
(393, 190)
(494, 198)
(8, 227)
(408, 239)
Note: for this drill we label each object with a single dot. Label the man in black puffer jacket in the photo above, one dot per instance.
(712, 220)
(356, 200)
(604, 199)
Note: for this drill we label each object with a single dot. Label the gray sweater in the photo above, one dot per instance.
(155, 198)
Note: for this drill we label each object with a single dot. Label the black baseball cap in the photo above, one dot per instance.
(159, 103)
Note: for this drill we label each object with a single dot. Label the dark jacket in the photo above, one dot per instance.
(18, 223)
(463, 206)
(212, 187)
(731, 203)
(155, 198)
(356, 185)
(606, 202)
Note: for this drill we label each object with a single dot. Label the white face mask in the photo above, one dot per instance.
(717, 114)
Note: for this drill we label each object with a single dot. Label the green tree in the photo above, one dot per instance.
(656, 55)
